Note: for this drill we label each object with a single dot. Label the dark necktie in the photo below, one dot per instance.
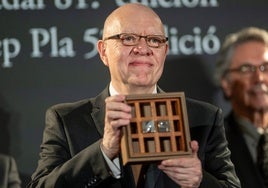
(263, 157)
(139, 172)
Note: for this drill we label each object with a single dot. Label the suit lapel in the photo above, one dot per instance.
(98, 110)
(98, 118)
(239, 148)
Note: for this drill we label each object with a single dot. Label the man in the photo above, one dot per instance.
(9, 175)
(81, 144)
(242, 71)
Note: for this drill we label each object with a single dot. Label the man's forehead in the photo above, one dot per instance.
(135, 25)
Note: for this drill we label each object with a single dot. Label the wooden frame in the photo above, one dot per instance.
(158, 128)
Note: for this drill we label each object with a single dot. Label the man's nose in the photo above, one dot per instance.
(142, 47)
(142, 42)
(260, 75)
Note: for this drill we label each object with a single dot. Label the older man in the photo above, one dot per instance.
(81, 144)
(242, 72)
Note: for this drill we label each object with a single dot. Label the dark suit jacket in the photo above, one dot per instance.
(245, 168)
(9, 175)
(71, 156)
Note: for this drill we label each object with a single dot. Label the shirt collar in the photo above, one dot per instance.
(248, 128)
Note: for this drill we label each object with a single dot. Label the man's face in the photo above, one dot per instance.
(139, 65)
(248, 90)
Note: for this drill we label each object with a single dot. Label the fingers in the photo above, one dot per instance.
(184, 161)
(184, 180)
(194, 146)
(117, 112)
(185, 171)
(117, 115)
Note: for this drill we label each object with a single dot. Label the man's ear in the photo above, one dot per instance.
(167, 49)
(102, 52)
(226, 86)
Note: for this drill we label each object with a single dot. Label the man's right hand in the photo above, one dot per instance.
(117, 115)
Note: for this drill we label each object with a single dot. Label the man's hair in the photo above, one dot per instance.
(231, 42)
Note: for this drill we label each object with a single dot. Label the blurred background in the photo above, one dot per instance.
(48, 55)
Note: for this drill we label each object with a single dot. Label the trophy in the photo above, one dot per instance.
(158, 128)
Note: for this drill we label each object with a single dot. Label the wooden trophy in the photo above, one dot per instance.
(158, 128)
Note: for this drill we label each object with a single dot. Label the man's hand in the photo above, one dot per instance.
(186, 171)
(117, 115)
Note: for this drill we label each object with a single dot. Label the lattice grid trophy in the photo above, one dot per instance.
(158, 128)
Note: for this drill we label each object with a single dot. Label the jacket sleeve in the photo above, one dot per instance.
(59, 165)
(218, 170)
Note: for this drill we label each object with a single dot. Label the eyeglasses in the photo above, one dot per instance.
(131, 39)
(247, 69)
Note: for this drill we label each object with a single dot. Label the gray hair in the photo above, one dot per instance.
(231, 42)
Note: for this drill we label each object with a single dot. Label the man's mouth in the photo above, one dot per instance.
(138, 63)
(260, 88)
